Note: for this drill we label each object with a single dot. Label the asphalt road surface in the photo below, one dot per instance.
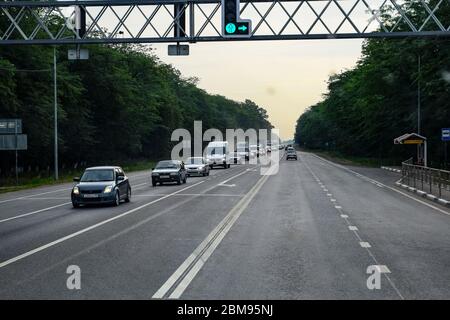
(313, 230)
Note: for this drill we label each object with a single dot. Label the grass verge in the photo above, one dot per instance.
(46, 178)
(352, 160)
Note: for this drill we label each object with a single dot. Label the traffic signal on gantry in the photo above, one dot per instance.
(232, 25)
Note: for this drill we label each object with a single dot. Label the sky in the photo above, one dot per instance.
(283, 77)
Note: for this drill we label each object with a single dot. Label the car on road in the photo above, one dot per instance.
(291, 154)
(101, 185)
(197, 166)
(254, 149)
(236, 158)
(261, 150)
(169, 171)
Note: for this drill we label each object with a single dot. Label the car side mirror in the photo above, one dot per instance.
(76, 179)
(153, 168)
(120, 178)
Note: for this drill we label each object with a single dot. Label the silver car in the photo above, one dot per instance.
(197, 166)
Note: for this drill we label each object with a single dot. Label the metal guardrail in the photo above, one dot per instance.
(430, 180)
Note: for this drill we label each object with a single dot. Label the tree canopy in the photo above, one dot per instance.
(121, 104)
(368, 106)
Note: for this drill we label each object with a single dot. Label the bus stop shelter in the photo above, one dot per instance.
(417, 139)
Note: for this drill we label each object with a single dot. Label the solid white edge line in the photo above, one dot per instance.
(386, 186)
(34, 212)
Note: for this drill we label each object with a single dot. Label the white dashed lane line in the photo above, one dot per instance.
(383, 269)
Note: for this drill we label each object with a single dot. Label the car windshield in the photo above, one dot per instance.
(98, 175)
(194, 161)
(166, 165)
(216, 150)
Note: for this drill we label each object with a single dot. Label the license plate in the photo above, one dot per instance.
(165, 176)
(91, 195)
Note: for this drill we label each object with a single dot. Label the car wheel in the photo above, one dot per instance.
(154, 183)
(75, 205)
(179, 180)
(185, 179)
(128, 199)
(117, 199)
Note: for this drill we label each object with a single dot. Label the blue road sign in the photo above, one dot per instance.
(10, 126)
(445, 134)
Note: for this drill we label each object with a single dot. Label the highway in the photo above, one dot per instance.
(308, 232)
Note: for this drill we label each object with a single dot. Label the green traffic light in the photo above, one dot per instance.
(230, 28)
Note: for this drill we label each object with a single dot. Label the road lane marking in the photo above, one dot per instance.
(229, 179)
(33, 195)
(72, 235)
(187, 271)
(47, 198)
(383, 185)
(122, 232)
(382, 268)
(34, 212)
(191, 194)
(338, 207)
(226, 185)
(365, 244)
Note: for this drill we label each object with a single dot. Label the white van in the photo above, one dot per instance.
(218, 154)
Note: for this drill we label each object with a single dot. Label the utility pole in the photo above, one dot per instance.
(55, 113)
(418, 95)
(419, 147)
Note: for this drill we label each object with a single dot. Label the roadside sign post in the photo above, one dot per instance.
(445, 137)
(11, 138)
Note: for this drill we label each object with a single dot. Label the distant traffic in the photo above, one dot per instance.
(110, 185)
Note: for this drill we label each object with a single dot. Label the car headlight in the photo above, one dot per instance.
(76, 190)
(201, 167)
(108, 189)
(155, 174)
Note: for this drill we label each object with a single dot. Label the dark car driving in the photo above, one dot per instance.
(101, 185)
(169, 171)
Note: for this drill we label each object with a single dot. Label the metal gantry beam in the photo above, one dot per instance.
(151, 21)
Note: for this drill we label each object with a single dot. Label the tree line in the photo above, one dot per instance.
(369, 105)
(121, 104)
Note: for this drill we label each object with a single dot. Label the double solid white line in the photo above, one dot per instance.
(187, 271)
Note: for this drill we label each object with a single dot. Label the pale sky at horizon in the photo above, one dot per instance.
(284, 77)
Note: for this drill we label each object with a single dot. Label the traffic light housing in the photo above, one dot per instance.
(232, 25)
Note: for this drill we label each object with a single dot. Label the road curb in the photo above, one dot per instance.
(424, 194)
(391, 169)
